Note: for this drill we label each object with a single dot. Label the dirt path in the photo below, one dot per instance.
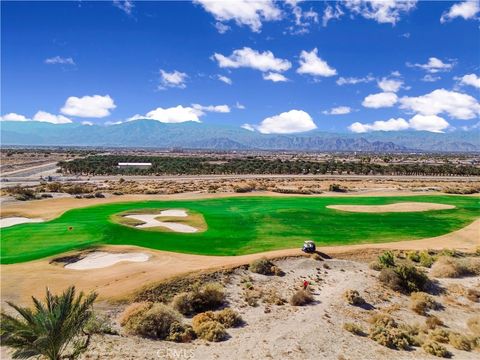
(20, 281)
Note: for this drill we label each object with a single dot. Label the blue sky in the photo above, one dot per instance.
(106, 62)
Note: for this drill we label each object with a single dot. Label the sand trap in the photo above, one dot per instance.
(398, 207)
(10, 221)
(150, 221)
(173, 212)
(100, 259)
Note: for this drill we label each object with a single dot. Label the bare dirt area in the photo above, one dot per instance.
(398, 207)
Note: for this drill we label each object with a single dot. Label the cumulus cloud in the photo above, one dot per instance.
(434, 65)
(249, 58)
(302, 19)
(311, 64)
(240, 106)
(174, 79)
(430, 78)
(125, 5)
(331, 13)
(339, 110)
(95, 106)
(390, 85)
(275, 77)
(13, 117)
(177, 114)
(389, 125)
(225, 79)
(430, 123)
(221, 27)
(469, 79)
(249, 13)
(382, 11)
(384, 99)
(248, 127)
(456, 105)
(59, 60)
(293, 121)
(466, 10)
(354, 80)
(51, 118)
(212, 108)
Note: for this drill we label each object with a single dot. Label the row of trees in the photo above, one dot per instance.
(107, 165)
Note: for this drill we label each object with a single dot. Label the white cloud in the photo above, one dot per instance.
(239, 106)
(250, 13)
(430, 78)
(434, 65)
(174, 79)
(432, 123)
(455, 104)
(176, 114)
(389, 125)
(330, 13)
(13, 117)
(275, 77)
(293, 121)
(248, 127)
(212, 108)
(249, 58)
(59, 60)
(124, 5)
(95, 106)
(311, 64)
(354, 80)
(221, 27)
(225, 79)
(390, 85)
(339, 110)
(303, 19)
(466, 10)
(87, 123)
(470, 79)
(51, 118)
(384, 99)
(382, 11)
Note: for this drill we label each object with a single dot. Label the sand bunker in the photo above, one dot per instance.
(150, 221)
(100, 259)
(10, 221)
(398, 207)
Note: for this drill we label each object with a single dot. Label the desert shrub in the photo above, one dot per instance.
(99, 324)
(474, 325)
(54, 187)
(151, 320)
(387, 259)
(386, 331)
(473, 295)
(449, 252)
(337, 188)
(228, 318)
(421, 303)
(211, 331)
(265, 267)
(426, 260)
(353, 297)
(132, 311)
(202, 298)
(432, 322)
(375, 265)
(199, 319)
(459, 342)
(413, 256)
(180, 333)
(354, 329)
(301, 298)
(272, 297)
(404, 278)
(449, 267)
(435, 349)
(252, 296)
(99, 195)
(439, 335)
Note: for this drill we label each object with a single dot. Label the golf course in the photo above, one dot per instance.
(241, 225)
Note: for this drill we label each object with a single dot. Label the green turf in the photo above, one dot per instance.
(240, 225)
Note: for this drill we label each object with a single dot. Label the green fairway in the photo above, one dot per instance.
(240, 225)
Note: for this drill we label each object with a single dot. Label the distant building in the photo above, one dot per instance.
(124, 165)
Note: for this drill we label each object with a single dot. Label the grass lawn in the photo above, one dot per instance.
(240, 225)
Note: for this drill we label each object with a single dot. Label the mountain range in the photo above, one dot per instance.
(190, 135)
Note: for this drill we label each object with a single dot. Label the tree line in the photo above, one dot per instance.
(108, 165)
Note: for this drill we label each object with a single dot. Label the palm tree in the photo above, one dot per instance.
(50, 329)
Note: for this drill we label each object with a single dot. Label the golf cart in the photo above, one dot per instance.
(309, 247)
